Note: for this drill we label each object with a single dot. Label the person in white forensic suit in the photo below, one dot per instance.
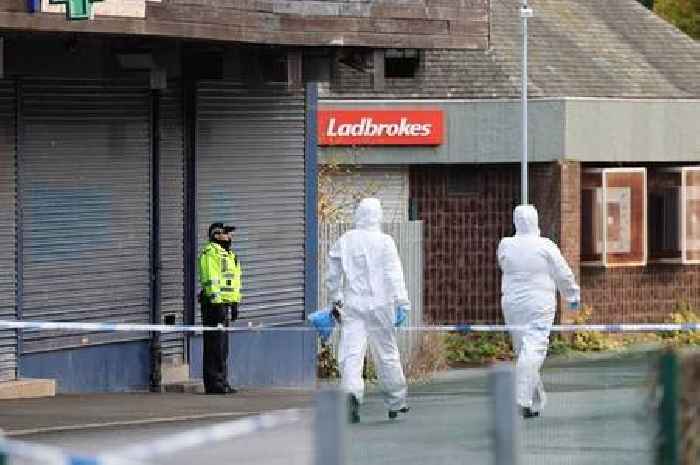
(366, 278)
(533, 268)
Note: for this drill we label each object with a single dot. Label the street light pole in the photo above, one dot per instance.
(525, 13)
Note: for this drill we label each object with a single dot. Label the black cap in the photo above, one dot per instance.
(215, 228)
(218, 228)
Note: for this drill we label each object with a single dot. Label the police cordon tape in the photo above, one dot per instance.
(137, 454)
(462, 328)
(47, 455)
(210, 434)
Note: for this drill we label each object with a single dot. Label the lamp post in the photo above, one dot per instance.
(525, 13)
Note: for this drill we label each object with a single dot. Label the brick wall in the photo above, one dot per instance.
(639, 294)
(545, 193)
(569, 207)
(462, 231)
(462, 280)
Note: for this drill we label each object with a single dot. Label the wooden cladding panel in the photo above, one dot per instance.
(425, 24)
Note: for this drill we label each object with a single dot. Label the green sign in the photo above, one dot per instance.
(76, 9)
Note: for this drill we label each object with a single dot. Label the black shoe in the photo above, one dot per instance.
(224, 390)
(216, 392)
(395, 413)
(527, 412)
(353, 409)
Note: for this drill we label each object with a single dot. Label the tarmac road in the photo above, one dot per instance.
(597, 414)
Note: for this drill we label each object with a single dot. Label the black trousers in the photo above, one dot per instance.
(215, 363)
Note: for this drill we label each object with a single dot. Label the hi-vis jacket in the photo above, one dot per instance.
(219, 274)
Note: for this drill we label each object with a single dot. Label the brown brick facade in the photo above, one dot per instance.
(568, 180)
(462, 230)
(639, 294)
(642, 293)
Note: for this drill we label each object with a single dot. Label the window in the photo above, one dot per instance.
(274, 66)
(613, 217)
(316, 65)
(690, 213)
(664, 222)
(401, 63)
(356, 58)
(674, 215)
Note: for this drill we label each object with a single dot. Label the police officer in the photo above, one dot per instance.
(220, 279)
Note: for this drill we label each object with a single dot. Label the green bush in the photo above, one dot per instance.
(435, 351)
(683, 313)
(478, 348)
(559, 345)
(593, 341)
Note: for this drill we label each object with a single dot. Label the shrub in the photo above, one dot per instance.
(478, 348)
(593, 341)
(428, 357)
(682, 313)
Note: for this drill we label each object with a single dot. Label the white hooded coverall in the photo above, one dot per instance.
(533, 268)
(365, 273)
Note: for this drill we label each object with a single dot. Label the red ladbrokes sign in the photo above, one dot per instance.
(380, 127)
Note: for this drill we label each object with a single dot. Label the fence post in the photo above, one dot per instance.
(330, 427)
(669, 375)
(507, 425)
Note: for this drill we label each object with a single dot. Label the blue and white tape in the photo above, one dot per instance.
(607, 328)
(209, 434)
(46, 455)
(140, 453)
(463, 328)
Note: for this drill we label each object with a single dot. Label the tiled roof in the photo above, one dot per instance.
(577, 48)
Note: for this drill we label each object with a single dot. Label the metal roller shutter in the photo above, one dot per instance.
(172, 199)
(84, 162)
(8, 274)
(250, 172)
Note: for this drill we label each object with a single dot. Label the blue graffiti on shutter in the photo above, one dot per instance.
(61, 222)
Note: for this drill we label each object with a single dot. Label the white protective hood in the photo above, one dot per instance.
(368, 215)
(526, 221)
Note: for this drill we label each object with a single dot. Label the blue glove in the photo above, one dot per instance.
(324, 323)
(401, 315)
(574, 305)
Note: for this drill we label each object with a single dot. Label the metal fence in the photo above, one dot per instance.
(409, 242)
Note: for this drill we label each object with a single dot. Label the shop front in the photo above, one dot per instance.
(109, 181)
(619, 204)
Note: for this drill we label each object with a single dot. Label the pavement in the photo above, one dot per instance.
(598, 413)
(22, 417)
